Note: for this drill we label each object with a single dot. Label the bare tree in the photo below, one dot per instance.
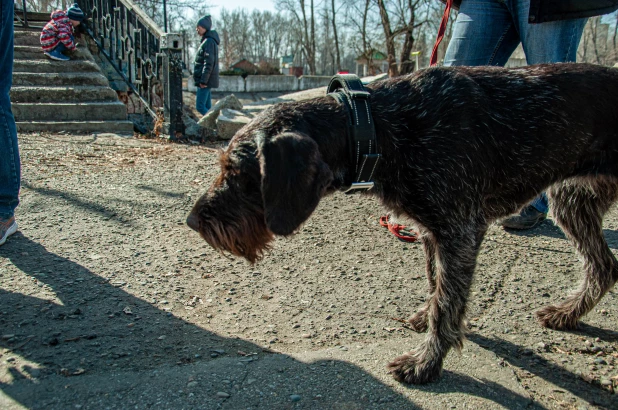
(333, 11)
(362, 22)
(306, 22)
(235, 31)
(399, 19)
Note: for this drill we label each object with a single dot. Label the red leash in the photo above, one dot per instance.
(434, 53)
(399, 230)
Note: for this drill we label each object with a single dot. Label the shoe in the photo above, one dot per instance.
(528, 218)
(56, 55)
(7, 228)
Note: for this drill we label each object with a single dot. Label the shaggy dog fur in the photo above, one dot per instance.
(461, 147)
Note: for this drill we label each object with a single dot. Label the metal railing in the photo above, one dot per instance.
(148, 59)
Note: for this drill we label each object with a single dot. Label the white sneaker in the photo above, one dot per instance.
(7, 228)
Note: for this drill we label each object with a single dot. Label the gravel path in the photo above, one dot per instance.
(108, 300)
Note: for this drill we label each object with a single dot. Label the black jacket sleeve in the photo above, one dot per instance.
(209, 60)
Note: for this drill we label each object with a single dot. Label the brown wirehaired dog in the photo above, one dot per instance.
(461, 147)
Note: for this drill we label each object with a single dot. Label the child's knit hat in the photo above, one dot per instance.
(75, 13)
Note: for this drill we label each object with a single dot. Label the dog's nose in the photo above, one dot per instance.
(193, 222)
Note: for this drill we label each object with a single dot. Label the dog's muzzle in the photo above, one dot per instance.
(193, 222)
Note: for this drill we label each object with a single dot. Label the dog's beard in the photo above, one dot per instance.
(248, 238)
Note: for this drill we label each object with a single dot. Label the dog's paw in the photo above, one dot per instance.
(418, 321)
(412, 370)
(555, 317)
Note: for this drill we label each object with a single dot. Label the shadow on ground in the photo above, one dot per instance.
(96, 345)
(66, 338)
(549, 229)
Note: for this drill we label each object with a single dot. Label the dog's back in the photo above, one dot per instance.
(555, 121)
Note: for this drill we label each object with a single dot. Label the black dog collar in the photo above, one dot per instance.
(349, 90)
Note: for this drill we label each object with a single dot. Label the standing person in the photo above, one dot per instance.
(10, 171)
(58, 35)
(206, 65)
(487, 32)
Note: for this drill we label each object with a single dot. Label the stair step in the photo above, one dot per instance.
(62, 94)
(51, 66)
(27, 37)
(56, 79)
(32, 16)
(93, 111)
(86, 127)
(36, 53)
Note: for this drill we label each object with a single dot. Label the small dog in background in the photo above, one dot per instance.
(461, 147)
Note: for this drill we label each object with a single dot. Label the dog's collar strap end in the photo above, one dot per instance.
(349, 90)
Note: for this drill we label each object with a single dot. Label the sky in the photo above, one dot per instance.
(250, 5)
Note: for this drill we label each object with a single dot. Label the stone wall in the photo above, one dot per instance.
(278, 83)
(308, 82)
(267, 83)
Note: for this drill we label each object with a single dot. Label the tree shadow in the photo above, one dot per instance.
(550, 230)
(539, 367)
(456, 383)
(591, 331)
(93, 330)
(80, 203)
(167, 194)
(110, 347)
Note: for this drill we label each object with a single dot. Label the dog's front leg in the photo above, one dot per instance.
(455, 259)
(418, 321)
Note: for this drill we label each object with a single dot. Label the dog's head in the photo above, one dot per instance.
(269, 185)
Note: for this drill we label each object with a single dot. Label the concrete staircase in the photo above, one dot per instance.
(72, 96)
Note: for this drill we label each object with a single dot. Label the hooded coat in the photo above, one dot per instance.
(59, 29)
(206, 64)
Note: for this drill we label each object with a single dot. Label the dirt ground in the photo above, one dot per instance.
(109, 301)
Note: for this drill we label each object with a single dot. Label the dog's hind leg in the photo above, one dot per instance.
(455, 259)
(578, 206)
(418, 321)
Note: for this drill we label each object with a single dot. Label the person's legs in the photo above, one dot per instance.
(10, 171)
(60, 48)
(483, 34)
(208, 103)
(201, 96)
(551, 42)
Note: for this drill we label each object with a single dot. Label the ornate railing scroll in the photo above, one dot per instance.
(148, 59)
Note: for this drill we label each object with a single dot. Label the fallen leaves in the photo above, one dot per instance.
(68, 373)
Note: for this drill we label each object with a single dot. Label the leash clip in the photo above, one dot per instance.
(358, 186)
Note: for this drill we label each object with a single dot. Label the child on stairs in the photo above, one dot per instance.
(57, 35)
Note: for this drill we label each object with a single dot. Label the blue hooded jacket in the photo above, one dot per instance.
(206, 64)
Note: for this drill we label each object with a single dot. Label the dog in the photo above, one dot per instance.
(461, 147)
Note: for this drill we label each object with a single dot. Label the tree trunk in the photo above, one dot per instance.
(407, 66)
(337, 52)
(393, 70)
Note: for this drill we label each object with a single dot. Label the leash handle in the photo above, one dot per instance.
(441, 30)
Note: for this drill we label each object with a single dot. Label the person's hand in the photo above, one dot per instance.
(202, 85)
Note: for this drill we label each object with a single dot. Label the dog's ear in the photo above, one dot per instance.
(294, 179)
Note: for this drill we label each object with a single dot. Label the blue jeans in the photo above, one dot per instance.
(10, 171)
(61, 47)
(203, 101)
(487, 32)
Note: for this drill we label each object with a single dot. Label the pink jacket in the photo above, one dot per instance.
(59, 29)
